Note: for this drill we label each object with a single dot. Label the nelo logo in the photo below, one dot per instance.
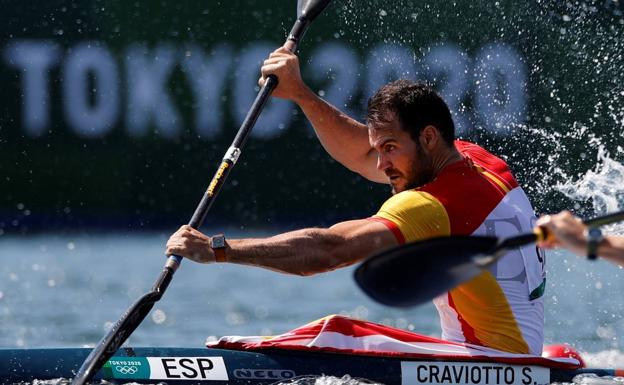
(261, 374)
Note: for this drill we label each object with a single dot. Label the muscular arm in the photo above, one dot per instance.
(343, 137)
(301, 252)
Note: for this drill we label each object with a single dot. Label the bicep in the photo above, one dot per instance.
(362, 238)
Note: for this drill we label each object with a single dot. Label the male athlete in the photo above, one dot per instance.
(440, 187)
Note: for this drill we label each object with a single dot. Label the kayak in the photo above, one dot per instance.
(334, 346)
(208, 366)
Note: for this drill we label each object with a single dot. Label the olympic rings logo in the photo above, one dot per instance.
(126, 369)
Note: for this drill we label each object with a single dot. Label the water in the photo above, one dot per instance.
(301, 380)
(61, 290)
(66, 290)
(602, 186)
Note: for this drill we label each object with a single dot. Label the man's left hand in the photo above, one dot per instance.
(190, 243)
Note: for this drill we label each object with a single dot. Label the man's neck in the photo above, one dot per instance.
(444, 159)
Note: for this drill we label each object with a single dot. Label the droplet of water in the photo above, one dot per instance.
(235, 318)
(261, 312)
(108, 325)
(361, 312)
(159, 316)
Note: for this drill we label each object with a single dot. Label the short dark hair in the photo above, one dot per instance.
(416, 104)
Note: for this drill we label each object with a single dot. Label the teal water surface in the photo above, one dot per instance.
(66, 290)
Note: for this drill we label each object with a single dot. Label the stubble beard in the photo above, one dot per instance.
(419, 178)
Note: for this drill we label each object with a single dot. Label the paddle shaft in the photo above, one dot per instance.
(605, 219)
(133, 317)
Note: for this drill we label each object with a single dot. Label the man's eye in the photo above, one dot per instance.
(389, 147)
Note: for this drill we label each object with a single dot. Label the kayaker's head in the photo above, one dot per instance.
(410, 127)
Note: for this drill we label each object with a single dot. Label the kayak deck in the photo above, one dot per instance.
(202, 365)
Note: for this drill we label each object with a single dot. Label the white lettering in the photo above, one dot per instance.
(207, 75)
(388, 62)
(336, 66)
(148, 99)
(91, 86)
(500, 78)
(34, 59)
(447, 67)
(86, 118)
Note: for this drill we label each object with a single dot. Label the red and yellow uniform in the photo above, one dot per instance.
(502, 308)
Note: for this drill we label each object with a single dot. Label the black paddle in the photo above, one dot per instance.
(417, 272)
(307, 11)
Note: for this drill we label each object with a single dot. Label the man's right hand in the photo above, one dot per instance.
(285, 65)
(190, 243)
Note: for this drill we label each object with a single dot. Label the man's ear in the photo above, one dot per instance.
(429, 137)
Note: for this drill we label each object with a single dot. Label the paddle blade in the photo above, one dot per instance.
(310, 9)
(115, 337)
(414, 273)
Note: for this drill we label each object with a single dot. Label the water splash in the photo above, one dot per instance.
(604, 359)
(573, 52)
(602, 187)
(592, 379)
(328, 380)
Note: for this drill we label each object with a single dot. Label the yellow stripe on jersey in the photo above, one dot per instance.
(493, 178)
(482, 303)
(417, 214)
(499, 182)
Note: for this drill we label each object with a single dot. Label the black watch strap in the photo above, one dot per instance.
(594, 237)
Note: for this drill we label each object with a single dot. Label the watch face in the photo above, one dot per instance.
(217, 242)
(595, 233)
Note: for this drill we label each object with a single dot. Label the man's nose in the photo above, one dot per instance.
(382, 162)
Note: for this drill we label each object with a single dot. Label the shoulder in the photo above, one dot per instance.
(412, 199)
(417, 214)
(477, 153)
(486, 160)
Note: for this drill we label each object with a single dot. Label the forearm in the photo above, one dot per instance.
(302, 252)
(612, 248)
(343, 137)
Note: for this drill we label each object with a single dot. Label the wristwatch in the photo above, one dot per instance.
(217, 244)
(594, 237)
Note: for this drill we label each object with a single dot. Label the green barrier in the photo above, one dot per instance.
(103, 99)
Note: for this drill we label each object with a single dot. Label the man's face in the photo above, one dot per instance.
(404, 161)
